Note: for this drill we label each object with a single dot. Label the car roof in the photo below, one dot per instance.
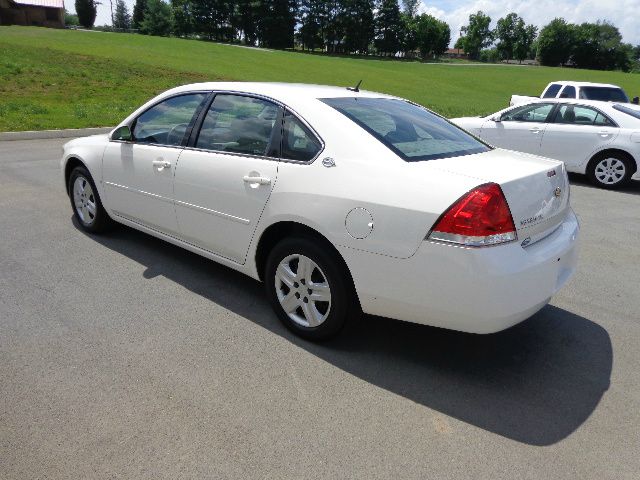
(585, 84)
(576, 101)
(283, 92)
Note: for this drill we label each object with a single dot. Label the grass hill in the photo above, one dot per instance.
(70, 79)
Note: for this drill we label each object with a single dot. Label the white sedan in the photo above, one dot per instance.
(339, 200)
(597, 138)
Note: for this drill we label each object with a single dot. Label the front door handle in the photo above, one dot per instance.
(535, 130)
(258, 180)
(161, 164)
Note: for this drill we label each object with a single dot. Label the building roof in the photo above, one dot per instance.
(41, 3)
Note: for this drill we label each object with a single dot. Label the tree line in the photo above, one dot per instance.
(366, 27)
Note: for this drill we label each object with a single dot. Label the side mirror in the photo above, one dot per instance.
(636, 100)
(496, 118)
(122, 133)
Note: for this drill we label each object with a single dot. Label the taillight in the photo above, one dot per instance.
(480, 218)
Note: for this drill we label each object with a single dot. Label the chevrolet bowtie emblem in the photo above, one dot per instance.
(557, 192)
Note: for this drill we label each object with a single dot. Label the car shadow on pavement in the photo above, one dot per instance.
(535, 383)
(632, 188)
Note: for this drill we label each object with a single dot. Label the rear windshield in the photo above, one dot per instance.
(633, 111)
(552, 91)
(603, 94)
(412, 132)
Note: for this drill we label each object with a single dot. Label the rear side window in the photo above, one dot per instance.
(580, 115)
(568, 92)
(298, 143)
(552, 91)
(166, 122)
(412, 132)
(603, 94)
(238, 124)
(537, 113)
(632, 111)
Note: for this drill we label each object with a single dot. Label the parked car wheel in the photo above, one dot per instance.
(85, 202)
(308, 288)
(611, 170)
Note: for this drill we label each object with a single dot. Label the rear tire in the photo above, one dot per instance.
(85, 202)
(610, 170)
(308, 288)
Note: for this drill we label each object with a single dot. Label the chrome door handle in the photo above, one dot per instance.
(161, 164)
(604, 134)
(535, 130)
(258, 180)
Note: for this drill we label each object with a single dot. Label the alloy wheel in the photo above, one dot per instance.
(84, 200)
(610, 171)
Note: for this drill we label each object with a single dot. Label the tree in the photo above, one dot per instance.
(182, 14)
(244, 20)
(411, 7)
(508, 30)
(358, 24)
(70, 19)
(86, 11)
(212, 19)
(599, 46)
(277, 23)
(388, 27)
(432, 35)
(138, 13)
(555, 43)
(409, 41)
(311, 17)
(157, 19)
(121, 18)
(477, 35)
(523, 46)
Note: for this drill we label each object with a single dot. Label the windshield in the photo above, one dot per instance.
(633, 111)
(603, 94)
(410, 131)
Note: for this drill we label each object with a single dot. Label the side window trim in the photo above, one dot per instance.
(182, 144)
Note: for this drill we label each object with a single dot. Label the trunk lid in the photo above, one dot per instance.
(536, 188)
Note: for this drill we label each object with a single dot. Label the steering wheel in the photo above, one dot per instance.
(174, 133)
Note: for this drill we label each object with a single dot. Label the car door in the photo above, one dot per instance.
(520, 128)
(138, 173)
(225, 176)
(575, 133)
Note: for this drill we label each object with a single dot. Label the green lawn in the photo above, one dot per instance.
(64, 79)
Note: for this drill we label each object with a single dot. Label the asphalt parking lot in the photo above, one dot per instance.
(122, 356)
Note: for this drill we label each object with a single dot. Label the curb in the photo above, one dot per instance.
(36, 135)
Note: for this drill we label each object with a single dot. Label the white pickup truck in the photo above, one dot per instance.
(581, 90)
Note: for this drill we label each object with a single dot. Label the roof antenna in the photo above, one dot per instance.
(356, 88)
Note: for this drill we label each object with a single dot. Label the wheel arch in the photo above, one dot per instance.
(288, 228)
(71, 163)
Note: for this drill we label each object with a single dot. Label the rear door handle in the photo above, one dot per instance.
(604, 134)
(258, 180)
(535, 130)
(161, 164)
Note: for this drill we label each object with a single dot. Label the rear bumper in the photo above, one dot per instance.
(477, 290)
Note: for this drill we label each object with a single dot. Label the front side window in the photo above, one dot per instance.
(580, 115)
(568, 92)
(298, 143)
(552, 91)
(537, 113)
(166, 122)
(238, 124)
(410, 131)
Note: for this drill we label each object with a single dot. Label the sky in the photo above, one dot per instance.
(622, 13)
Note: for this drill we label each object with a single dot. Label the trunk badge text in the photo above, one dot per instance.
(551, 173)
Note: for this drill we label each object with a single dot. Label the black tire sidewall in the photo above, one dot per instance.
(337, 278)
(591, 171)
(101, 219)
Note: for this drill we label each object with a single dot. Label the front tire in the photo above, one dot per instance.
(308, 288)
(610, 170)
(85, 202)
